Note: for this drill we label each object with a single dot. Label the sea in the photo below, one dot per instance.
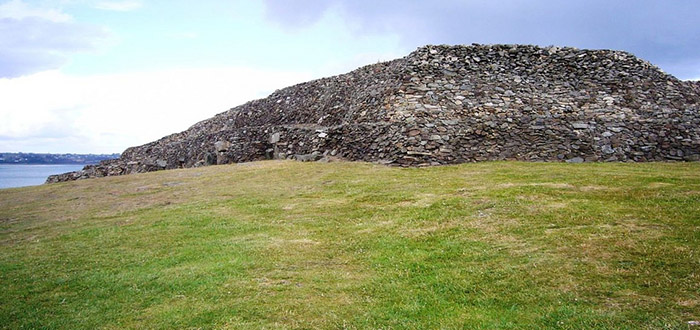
(22, 175)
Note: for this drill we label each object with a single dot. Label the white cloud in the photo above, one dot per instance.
(126, 5)
(335, 67)
(54, 112)
(34, 39)
(16, 9)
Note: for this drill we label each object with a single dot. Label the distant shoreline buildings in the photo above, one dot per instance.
(39, 159)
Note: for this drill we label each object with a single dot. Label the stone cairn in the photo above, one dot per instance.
(446, 105)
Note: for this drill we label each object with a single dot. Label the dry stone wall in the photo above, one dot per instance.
(450, 104)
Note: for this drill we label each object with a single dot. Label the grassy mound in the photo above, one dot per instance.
(350, 245)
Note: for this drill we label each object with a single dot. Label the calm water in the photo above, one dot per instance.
(30, 175)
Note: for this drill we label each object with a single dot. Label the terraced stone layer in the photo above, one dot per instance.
(450, 104)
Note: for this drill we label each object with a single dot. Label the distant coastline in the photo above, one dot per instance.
(53, 159)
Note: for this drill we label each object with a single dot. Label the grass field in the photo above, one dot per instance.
(282, 244)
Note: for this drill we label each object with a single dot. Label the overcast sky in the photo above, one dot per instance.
(93, 76)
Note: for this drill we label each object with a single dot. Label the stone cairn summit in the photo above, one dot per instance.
(446, 105)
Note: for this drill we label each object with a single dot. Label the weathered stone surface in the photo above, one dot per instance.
(314, 156)
(222, 146)
(274, 138)
(575, 160)
(450, 104)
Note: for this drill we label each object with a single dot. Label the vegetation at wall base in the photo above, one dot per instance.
(282, 244)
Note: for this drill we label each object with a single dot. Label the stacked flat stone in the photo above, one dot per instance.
(446, 105)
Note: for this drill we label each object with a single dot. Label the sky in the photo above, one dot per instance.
(94, 76)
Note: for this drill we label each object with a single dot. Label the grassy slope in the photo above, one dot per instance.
(309, 245)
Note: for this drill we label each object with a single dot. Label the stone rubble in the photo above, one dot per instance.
(446, 105)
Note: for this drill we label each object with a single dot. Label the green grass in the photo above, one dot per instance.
(496, 245)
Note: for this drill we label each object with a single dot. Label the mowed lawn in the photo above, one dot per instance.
(286, 245)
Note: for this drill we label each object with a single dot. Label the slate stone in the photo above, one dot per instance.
(515, 102)
(221, 146)
(275, 137)
(575, 160)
